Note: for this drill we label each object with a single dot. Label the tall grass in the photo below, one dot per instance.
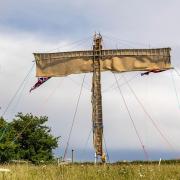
(91, 172)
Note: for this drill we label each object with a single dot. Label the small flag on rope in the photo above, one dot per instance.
(40, 81)
(152, 71)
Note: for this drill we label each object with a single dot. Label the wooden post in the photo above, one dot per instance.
(95, 158)
(72, 157)
(97, 98)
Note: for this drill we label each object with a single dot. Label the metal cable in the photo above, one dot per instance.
(74, 116)
(79, 84)
(12, 99)
(20, 94)
(148, 115)
(73, 44)
(136, 131)
(123, 44)
(175, 89)
(3, 132)
(175, 69)
(41, 106)
(31, 119)
(125, 41)
(22, 130)
(122, 84)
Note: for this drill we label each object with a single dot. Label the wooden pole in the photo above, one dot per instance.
(97, 98)
(72, 157)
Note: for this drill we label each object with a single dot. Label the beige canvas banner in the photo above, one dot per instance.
(66, 63)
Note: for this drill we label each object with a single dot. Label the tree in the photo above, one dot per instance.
(30, 139)
(7, 147)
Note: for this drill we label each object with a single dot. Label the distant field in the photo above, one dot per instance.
(83, 172)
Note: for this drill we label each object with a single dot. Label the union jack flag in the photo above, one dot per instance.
(152, 71)
(40, 81)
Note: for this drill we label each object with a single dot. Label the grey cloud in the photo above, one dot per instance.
(147, 21)
(29, 26)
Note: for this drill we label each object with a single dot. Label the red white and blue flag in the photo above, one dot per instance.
(40, 81)
(152, 71)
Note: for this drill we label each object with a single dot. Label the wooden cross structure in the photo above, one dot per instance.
(98, 60)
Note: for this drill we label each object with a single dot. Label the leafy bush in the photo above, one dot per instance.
(27, 138)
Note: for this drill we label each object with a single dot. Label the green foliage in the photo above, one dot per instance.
(7, 147)
(27, 138)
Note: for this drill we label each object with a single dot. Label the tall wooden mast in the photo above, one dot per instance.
(60, 64)
(97, 98)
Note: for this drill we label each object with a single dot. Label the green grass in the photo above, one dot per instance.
(88, 171)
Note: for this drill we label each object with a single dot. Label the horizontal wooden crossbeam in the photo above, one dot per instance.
(109, 52)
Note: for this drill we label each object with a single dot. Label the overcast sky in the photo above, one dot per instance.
(45, 25)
